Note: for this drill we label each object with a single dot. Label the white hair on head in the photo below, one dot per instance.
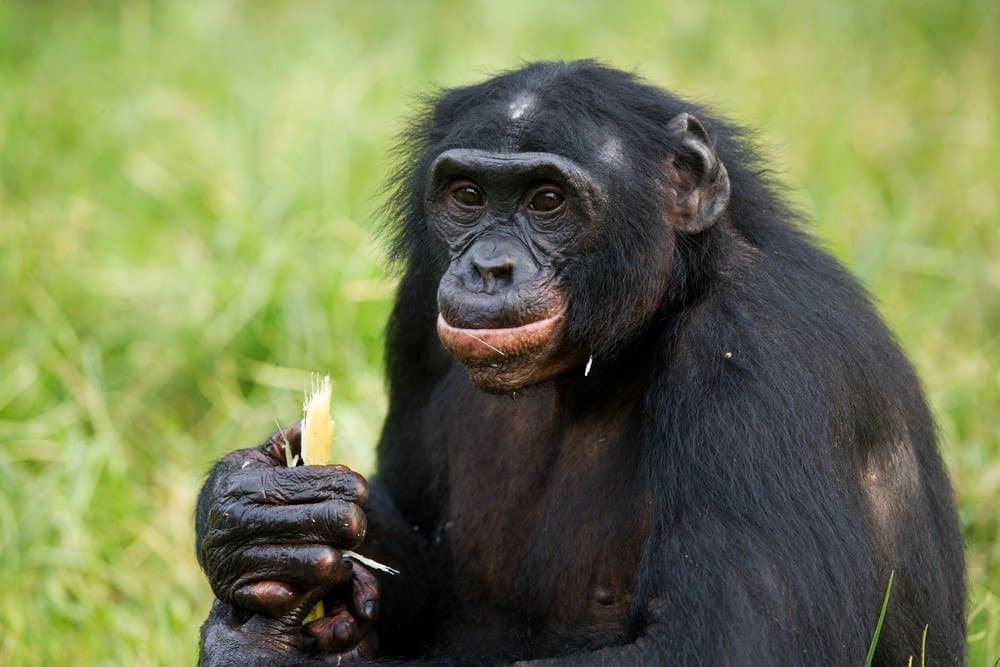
(612, 151)
(522, 103)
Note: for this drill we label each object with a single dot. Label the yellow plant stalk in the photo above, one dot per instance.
(317, 445)
(317, 450)
(317, 427)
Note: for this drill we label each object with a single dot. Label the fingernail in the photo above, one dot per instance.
(342, 631)
(370, 608)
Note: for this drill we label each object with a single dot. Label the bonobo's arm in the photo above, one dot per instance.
(269, 540)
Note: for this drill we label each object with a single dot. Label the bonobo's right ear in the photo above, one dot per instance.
(697, 181)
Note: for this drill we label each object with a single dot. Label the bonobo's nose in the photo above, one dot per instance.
(496, 270)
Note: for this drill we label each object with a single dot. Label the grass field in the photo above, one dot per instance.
(170, 174)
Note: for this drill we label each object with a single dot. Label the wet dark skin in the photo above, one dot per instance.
(270, 545)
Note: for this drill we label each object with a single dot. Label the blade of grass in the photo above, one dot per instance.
(923, 648)
(881, 618)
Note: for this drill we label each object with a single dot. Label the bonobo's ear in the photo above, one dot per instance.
(697, 182)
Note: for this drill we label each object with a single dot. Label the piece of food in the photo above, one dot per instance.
(317, 426)
(317, 450)
(317, 444)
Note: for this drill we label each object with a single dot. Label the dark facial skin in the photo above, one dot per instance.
(509, 221)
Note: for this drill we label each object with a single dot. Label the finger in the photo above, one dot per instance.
(302, 566)
(274, 446)
(365, 594)
(337, 632)
(335, 522)
(313, 483)
(366, 649)
(267, 597)
(305, 484)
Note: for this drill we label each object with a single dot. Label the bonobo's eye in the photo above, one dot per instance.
(466, 194)
(547, 199)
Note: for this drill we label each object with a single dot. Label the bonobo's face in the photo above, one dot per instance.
(508, 221)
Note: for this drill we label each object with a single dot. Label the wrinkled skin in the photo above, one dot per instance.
(270, 547)
(508, 222)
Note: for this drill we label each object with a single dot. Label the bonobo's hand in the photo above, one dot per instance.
(270, 549)
(344, 635)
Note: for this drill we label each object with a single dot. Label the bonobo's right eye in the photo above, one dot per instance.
(466, 194)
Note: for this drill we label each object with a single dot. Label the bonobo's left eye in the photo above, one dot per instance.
(547, 199)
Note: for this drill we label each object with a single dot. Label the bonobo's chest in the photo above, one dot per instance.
(547, 515)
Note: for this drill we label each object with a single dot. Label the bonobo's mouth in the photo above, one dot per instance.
(494, 344)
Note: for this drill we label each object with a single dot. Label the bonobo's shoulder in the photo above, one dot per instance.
(782, 273)
(782, 297)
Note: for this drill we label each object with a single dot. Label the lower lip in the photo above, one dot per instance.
(494, 344)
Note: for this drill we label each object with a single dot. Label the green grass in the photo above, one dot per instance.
(171, 173)
(881, 619)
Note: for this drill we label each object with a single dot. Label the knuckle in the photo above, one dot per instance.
(303, 480)
(283, 489)
(345, 522)
(246, 482)
(224, 514)
(362, 492)
(350, 484)
(325, 560)
(357, 523)
(230, 487)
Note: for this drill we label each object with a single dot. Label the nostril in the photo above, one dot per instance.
(499, 270)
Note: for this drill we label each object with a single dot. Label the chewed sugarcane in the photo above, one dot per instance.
(317, 426)
(317, 450)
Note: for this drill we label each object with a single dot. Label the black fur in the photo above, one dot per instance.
(767, 393)
(748, 460)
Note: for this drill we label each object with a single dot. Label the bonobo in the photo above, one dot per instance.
(635, 417)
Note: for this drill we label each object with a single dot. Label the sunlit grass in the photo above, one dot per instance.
(170, 174)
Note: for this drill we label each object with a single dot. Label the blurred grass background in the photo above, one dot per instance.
(171, 173)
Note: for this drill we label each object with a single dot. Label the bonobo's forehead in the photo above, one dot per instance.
(535, 121)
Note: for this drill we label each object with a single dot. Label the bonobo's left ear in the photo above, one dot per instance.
(697, 182)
